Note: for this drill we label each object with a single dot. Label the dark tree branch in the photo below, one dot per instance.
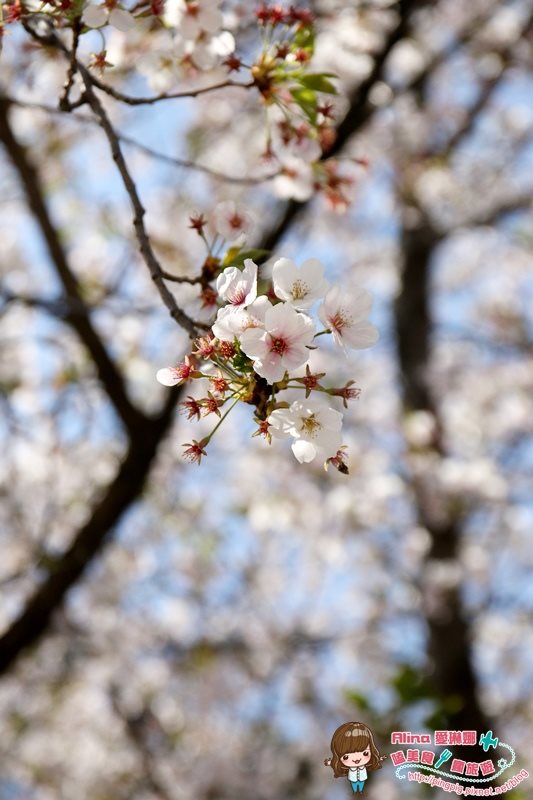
(485, 95)
(121, 493)
(77, 313)
(511, 205)
(449, 630)
(450, 633)
(145, 433)
(64, 100)
(141, 728)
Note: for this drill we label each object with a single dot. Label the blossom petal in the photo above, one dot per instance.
(121, 20)
(168, 376)
(253, 342)
(284, 273)
(95, 16)
(281, 423)
(361, 335)
(313, 270)
(210, 19)
(258, 309)
(331, 419)
(304, 451)
(296, 357)
(270, 367)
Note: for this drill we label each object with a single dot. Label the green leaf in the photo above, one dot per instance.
(234, 258)
(357, 699)
(410, 686)
(305, 39)
(318, 82)
(242, 363)
(307, 100)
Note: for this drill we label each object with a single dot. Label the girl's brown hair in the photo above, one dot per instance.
(352, 737)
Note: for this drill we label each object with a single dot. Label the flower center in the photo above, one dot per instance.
(299, 290)
(238, 297)
(278, 345)
(235, 221)
(166, 62)
(311, 426)
(340, 320)
(192, 8)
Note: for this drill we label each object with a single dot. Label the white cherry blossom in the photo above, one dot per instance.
(193, 17)
(207, 52)
(162, 68)
(282, 346)
(96, 16)
(232, 321)
(232, 221)
(306, 148)
(346, 315)
(295, 180)
(299, 287)
(314, 426)
(238, 286)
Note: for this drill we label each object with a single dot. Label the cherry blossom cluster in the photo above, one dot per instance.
(185, 39)
(258, 346)
(301, 111)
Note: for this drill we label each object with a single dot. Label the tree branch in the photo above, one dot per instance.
(520, 202)
(145, 245)
(485, 95)
(179, 163)
(42, 30)
(452, 672)
(121, 493)
(76, 311)
(144, 101)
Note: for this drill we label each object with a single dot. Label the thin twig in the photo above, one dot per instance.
(145, 245)
(64, 100)
(144, 101)
(179, 163)
(180, 278)
(41, 30)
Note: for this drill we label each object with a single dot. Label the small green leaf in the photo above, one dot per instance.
(357, 699)
(231, 255)
(307, 100)
(242, 363)
(305, 39)
(411, 686)
(318, 82)
(234, 258)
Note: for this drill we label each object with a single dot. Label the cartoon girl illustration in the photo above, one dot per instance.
(354, 752)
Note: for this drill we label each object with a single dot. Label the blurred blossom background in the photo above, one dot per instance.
(172, 631)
